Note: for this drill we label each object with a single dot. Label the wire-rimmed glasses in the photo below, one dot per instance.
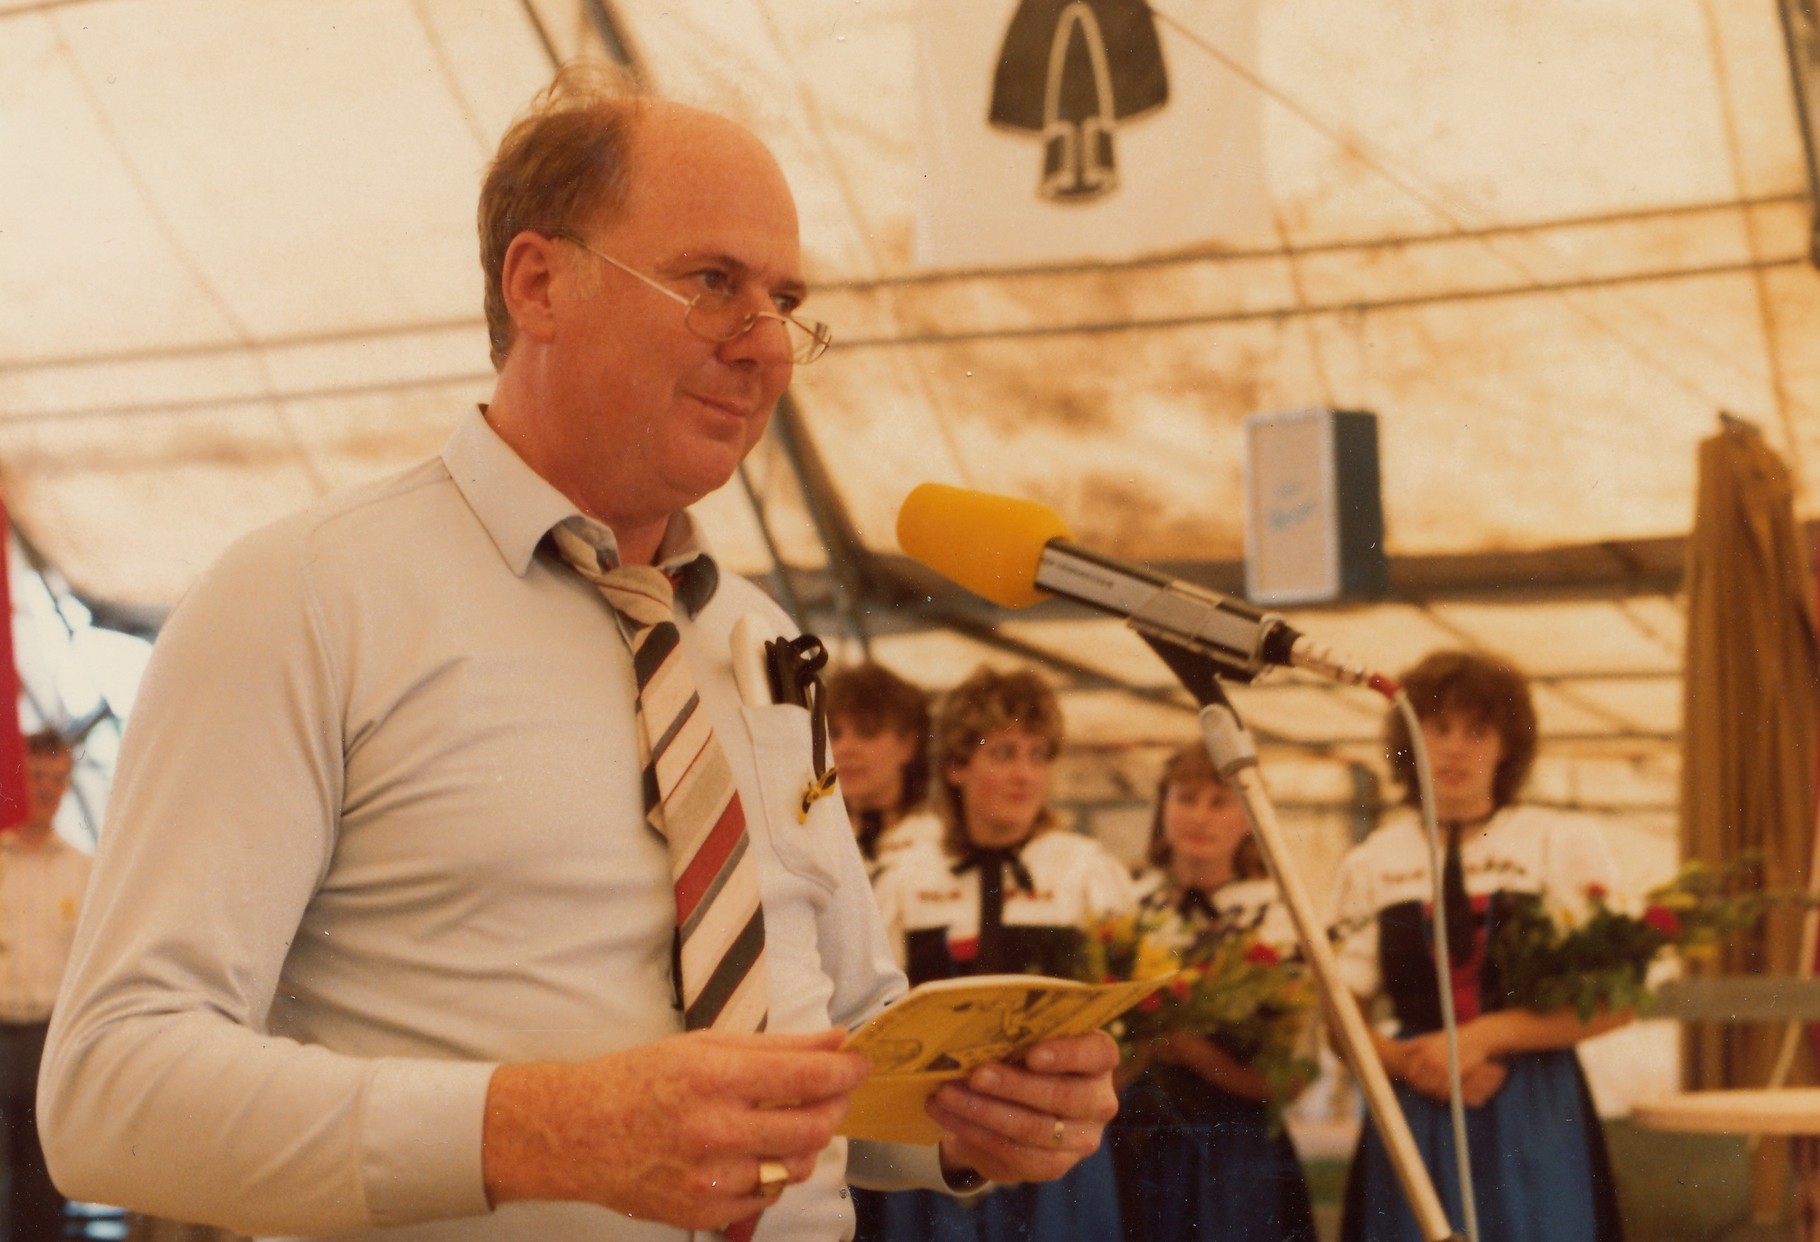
(718, 317)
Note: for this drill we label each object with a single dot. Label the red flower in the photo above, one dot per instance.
(1180, 987)
(1596, 892)
(1261, 954)
(1111, 978)
(1151, 1003)
(1663, 921)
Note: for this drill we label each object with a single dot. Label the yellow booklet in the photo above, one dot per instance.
(941, 1030)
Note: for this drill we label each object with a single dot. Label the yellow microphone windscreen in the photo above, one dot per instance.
(989, 544)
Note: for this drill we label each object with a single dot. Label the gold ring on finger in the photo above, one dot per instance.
(1055, 1135)
(773, 1176)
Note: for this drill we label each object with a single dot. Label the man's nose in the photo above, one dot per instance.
(765, 341)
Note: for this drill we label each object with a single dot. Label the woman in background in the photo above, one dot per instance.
(878, 731)
(1538, 1159)
(1193, 1146)
(878, 734)
(1006, 893)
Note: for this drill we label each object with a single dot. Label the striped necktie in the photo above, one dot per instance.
(690, 801)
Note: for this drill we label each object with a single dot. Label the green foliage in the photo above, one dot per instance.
(1231, 987)
(1592, 955)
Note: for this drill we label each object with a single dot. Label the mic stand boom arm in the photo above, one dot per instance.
(1235, 757)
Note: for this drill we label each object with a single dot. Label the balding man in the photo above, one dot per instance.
(451, 888)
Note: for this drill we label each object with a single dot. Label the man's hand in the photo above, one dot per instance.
(1033, 1122)
(672, 1131)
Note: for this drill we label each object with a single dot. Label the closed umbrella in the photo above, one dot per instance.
(1748, 719)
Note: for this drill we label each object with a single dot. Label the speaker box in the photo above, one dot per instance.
(1314, 513)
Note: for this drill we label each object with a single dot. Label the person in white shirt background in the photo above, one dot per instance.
(42, 880)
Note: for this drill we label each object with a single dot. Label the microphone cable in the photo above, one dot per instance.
(1443, 956)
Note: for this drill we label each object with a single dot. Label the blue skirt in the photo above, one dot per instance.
(1196, 1162)
(1539, 1167)
(1081, 1206)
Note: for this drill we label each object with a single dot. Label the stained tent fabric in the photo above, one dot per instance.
(1543, 241)
(1750, 713)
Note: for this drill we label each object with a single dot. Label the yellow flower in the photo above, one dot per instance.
(1565, 914)
(1153, 958)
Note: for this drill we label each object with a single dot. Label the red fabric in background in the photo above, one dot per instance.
(12, 743)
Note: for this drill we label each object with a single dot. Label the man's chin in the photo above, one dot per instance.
(699, 479)
(699, 464)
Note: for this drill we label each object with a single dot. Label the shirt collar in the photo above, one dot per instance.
(517, 507)
(681, 555)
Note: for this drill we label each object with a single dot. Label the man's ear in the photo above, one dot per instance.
(525, 281)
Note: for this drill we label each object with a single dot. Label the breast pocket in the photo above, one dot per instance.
(811, 844)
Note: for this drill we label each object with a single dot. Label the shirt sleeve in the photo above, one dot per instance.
(1108, 887)
(1260, 904)
(902, 1166)
(1354, 925)
(1577, 858)
(162, 1090)
(888, 894)
(855, 949)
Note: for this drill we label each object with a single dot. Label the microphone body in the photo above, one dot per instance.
(1237, 635)
(1016, 552)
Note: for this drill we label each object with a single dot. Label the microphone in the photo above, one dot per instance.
(1018, 552)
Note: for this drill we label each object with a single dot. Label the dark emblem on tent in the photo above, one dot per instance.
(1071, 70)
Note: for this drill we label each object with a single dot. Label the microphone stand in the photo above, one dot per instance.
(1235, 757)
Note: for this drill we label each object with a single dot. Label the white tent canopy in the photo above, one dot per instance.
(1545, 242)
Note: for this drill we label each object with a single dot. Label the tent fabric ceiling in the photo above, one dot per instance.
(1544, 241)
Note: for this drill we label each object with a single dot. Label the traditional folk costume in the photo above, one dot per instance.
(1539, 1164)
(1010, 911)
(1194, 1160)
(880, 845)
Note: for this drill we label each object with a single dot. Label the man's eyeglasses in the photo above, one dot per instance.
(716, 316)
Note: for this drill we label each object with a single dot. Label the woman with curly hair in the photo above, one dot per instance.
(1006, 892)
(1539, 1166)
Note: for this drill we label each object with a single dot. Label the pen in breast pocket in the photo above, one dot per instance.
(749, 674)
(787, 671)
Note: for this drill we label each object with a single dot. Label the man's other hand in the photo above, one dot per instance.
(1033, 1122)
(671, 1131)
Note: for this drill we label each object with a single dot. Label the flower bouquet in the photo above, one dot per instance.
(1595, 954)
(1230, 986)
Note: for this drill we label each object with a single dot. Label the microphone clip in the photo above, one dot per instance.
(1199, 672)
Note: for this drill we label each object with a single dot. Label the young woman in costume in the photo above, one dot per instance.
(878, 732)
(1193, 1144)
(1006, 893)
(1538, 1158)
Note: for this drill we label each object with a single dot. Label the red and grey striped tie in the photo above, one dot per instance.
(689, 800)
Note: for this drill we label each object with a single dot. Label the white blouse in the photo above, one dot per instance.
(1074, 879)
(1523, 849)
(921, 830)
